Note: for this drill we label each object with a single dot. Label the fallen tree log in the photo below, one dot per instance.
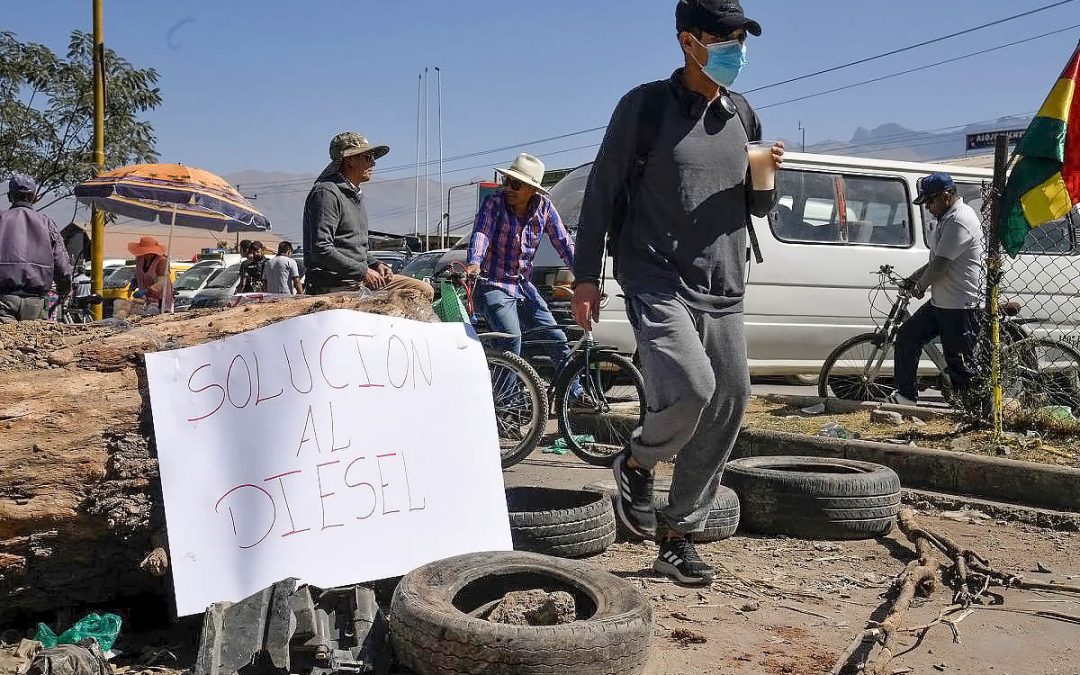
(81, 516)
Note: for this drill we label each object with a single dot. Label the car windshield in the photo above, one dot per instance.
(120, 278)
(422, 265)
(193, 278)
(227, 278)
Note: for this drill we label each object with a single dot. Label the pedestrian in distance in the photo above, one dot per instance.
(954, 276)
(671, 191)
(32, 256)
(336, 253)
(251, 270)
(507, 231)
(281, 274)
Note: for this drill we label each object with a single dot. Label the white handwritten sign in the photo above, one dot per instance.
(338, 447)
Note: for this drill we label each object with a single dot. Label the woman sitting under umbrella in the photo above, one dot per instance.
(151, 270)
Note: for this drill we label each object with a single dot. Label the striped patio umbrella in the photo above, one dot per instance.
(174, 195)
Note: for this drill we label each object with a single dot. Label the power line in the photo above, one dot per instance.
(920, 68)
(911, 47)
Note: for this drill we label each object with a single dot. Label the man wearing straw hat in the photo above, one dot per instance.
(32, 256)
(336, 225)
(507, 231)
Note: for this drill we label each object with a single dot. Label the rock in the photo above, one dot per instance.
(1042, 569)
(157, 563)
(752, 606)
(918, 421)
(63, 357)
(535, 608)
(886, 417)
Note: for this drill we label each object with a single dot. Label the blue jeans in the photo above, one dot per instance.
(507, 314)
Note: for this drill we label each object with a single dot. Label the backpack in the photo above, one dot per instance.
(650, 119)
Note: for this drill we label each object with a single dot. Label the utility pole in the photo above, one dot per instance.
(803, 130)
(97, 218)
(427, 168)
(419, 102)
(446, 230)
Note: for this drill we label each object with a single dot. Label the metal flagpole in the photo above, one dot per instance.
(427, 185)
(446, 227)
(419, 102)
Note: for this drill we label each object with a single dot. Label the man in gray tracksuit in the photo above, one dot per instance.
(681, 258)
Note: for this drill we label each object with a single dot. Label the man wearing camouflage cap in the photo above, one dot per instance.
(32, 256)
(336, 225)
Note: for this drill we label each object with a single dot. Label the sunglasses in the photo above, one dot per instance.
(512, 183)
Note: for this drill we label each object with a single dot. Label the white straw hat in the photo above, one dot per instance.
(528, 170)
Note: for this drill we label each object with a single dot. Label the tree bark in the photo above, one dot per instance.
(81, 514)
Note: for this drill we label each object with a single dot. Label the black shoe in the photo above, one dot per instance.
(634, 502)
(679, 560)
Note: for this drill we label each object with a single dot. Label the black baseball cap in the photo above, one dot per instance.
(716, 17)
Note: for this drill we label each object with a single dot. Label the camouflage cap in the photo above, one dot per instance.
(349, 143)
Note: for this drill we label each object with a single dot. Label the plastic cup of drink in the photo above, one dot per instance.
(762, 166)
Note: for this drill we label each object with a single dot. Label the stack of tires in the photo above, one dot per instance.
(562, 523)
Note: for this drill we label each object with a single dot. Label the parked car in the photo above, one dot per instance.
(218, 289)
(810, 293)
(194, 280)
(424, 265)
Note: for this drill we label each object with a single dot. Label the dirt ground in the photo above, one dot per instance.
(1047, 445)
(783, 606)
(791, 607)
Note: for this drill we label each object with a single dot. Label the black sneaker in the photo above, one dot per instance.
(679, 560)
(634, 503)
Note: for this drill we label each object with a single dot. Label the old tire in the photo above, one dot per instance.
(433, 634)
(815, 497)
(563, 523)
(723, 518)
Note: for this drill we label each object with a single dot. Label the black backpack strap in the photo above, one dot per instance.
(655, 96)
(753, 133)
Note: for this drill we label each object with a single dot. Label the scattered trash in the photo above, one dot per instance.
(102, 627)
(84, 658)
(836, 430)
(534, 608)
(1042, 569)
(560, 446)
(1055, 413)
(818, 409)
(966, 515)
(283, 629)
(889, 417)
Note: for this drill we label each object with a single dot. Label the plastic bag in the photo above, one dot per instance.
(102, 627)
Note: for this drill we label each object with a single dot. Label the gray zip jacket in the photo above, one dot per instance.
(685, 234)
(335, 232)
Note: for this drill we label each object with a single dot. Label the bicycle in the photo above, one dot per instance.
(1034, 369)
(598, 396)
(75, 310)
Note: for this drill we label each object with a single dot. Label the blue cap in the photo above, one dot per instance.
(20, 183)
(933, 185)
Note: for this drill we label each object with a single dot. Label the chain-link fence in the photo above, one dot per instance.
(1036, 340)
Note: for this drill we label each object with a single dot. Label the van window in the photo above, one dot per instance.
(1057, 237)
(808, 210)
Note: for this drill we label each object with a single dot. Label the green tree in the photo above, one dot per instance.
(47, 113)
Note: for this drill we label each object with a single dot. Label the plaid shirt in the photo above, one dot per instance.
(504, 245)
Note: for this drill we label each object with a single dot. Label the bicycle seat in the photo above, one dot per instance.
(92, 299)
(1011, 308)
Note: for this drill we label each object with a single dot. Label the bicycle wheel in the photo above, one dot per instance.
(1038, 372)
(860, 369)
(521, 405)
(597, 426)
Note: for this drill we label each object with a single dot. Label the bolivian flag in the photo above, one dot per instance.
(1045, 181)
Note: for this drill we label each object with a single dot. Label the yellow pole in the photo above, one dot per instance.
(993, 283)
(97, 231)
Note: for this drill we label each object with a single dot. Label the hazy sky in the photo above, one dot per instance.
(264, 85)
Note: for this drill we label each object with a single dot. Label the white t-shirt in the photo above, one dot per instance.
(279, 273)
(958, 236)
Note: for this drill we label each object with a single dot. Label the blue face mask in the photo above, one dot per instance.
(726, 61)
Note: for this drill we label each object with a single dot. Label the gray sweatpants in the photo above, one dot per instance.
(697, 385)
(22, 308)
